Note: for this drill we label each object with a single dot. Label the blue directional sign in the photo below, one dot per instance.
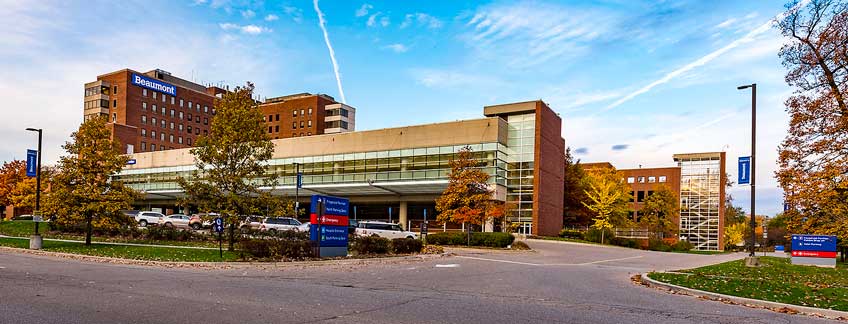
(32, 163)
(131, 161)
(334, 223)
(218, 226)
(744, 170)
(819, 243)
(299, 180)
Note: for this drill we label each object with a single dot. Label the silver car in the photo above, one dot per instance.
(175, 221)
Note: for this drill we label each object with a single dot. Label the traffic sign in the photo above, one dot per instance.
(218, 226)
(744, 170)
(32, 163)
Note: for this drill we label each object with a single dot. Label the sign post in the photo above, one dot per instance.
(330, 233)
(817, 250)
(219, 228)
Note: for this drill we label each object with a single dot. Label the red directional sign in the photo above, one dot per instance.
(330, 220)
(814, 254)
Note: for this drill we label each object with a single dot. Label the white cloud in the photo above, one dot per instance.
(384, 21)
(421, 19)
(246, 29)
(750, 36)
(726, 23)
(397, 48)
(433, 78)
(363, 11)
(529, 34)
(323, 24)
(295, 13)
(372, 20)
(271, 17)
(247, 14)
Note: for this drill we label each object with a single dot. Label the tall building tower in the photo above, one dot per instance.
(151, 111)
(306, 114)
(702, 192)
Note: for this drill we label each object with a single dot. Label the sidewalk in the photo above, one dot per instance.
(118, 243)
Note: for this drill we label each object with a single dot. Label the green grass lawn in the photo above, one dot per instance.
(24, 228)
(128, 252)
(776, 280)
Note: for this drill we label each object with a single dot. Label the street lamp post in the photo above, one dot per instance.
(37, 176)
(753, 224)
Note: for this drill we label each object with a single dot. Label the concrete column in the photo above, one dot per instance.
(403, 217)
(489, 225)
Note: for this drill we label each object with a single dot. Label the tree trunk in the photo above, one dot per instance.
(602, 235)
(231, 246)
(88, 230)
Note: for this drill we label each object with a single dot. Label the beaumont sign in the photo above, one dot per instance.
(154, 85)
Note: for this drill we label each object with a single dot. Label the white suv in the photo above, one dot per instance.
(148, 218)
(279, 224)
(383, 229)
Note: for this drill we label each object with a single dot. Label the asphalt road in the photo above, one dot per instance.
(557, 283)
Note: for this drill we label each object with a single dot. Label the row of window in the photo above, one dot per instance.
(341, 111)
(641, 195)
(170, 137)
(173, 101)
(641, 179)
(276, 117)
(162, 147)
(164, 110)
(180, 128)
(162, 121)
(336, 124)
(276, 129)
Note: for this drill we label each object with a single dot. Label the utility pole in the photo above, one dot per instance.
(37, 178)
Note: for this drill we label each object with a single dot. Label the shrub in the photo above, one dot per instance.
(594, 235)
(519, 245)
(283, 235)
(370, 245)
(570, 233)
(682, 246)
(406, 246)
(658, 245)
(496, 239)
(275, 249)
(625, 242)
(169, 234)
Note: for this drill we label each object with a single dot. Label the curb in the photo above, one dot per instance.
(190, 247)
(748, 302)
(225, 265)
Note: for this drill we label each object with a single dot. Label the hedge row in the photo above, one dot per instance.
(378, 245)
(276, 249)
(497, 239)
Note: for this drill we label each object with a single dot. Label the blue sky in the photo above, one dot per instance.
(634, 82)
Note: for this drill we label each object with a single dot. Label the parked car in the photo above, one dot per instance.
(200, 221)
(383, 229)
(130, 213)
(148, 218)
(303, 227)
(351, 227)
(175, 221)
(252, 222)
(22, 217)
(279, 224)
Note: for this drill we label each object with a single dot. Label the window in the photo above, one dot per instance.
(163, 98)
(294, 113)
(188, 139)
(162, 123)
(152, 147)
(143, 106)
(294, 125)
(164, 111)
(115, 90)
(189, 105)
(308, 133)
(114, 117)
(114, 103)
(143, 133)
(631, 179)
(144, 92)
(652, 179)
(172, 125)
(301, 134)
(343, 112)
(301, 112)
(662, 179)
(641, 179)
(180, 139)
(640, 196)
(270, 118)
(277, 128)
(344, 124)
(189, 117)
(206, 109)
(309, 123)
(631, 196)
(205, 132)
(172, 100)
(301, 124)
(197, 131)
(143, 146)
(205, 120)
(650, 192)
(181, 102)
(181, 127)
(171, 138)
(181, 115)
(310, 111)
(153, 134)
(188, 129)
(154, 109)
(213, 111)
(270, 129)
(162, 148)
(154, 95)
(162, 137)
(196, 119)
(153, 120)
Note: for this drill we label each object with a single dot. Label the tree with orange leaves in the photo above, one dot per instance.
(814, 155)
(468, 198)
(11, 173)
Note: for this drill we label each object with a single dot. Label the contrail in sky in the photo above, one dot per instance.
(709, 57)
(321, 23)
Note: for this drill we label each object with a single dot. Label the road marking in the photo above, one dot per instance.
(548, 264)
(452, 265)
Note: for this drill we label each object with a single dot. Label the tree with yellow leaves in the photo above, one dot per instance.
(608, 196)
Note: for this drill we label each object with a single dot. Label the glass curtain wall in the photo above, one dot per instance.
(700, 186)
(519, 176)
